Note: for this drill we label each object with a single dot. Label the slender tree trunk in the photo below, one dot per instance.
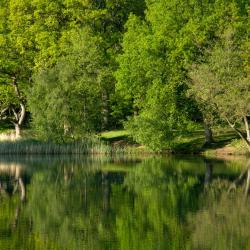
(19, 116)
(247, 128)
(19, 120)
(208, 133)
(22, 114)
(104, 110)
(17, 130)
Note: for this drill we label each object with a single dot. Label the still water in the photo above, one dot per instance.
(124, 204)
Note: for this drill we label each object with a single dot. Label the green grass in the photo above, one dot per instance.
(114, 135)
(22, 147)
(4, 128)
(189, 143)
(118, 143)
(95, 145)
(194, 141)
(224, 140)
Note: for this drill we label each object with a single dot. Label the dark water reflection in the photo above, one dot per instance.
(123, 204)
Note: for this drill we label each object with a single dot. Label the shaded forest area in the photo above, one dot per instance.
(159, 69)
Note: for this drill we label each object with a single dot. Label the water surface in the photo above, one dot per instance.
(123, 204)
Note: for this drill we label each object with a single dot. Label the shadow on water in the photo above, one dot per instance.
(128, 204)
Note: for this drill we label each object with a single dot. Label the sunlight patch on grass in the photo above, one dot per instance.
(114, 134)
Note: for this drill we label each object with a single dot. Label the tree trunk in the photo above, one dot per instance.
(208, 133)
(247, 128)
(19, 116)
(22, 114)
(104, 110)
(17, 130)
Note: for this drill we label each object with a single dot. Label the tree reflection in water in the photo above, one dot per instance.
(154, 204)
(223, 221)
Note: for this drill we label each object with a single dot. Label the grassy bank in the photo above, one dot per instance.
(226, 142)
(119, 143)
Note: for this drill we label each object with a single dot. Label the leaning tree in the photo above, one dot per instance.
(221, 84)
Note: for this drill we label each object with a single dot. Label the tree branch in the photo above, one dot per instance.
(19, 117)
(239, 133)
(15, 114)
(22, 114)
(3, 111)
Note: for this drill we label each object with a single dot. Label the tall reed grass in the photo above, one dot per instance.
(89, 146)
(22, 147)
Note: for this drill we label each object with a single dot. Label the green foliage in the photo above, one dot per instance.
(7, 96)
(152, 71)
(157, 213)
(65, 100)
(89, 65)
(221, 84)
(157, 133)
(223, 224)
(34, 34)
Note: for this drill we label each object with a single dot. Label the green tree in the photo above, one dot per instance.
(16, 57)
(222, 84)
(90, 90)
(152, 70)
(65, 100)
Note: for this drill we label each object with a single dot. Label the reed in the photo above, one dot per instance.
(89, 146)
(23, 147)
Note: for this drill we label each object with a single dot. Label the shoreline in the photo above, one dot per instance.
(119, 143)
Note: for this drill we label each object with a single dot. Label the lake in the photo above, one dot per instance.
(105, 203)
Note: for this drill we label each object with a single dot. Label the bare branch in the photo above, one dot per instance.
(3, 111)
(22, 114)
(3, 115)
